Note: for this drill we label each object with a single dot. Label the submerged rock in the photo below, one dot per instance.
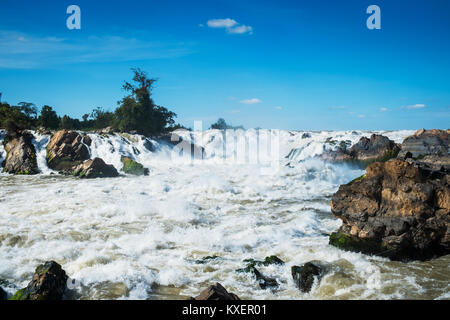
(399, 209)
(216, 292)
(66, 150)
(206, 259)
(304, 275)
(426, 142)
(49, 283)
(132, 167)
(95, 168)
(264, 282)
(21, 154)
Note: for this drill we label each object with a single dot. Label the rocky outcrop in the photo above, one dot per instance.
(399, 209)
(216, 292)
(66, 150)
(95, 168)
(426, 142)
(49, 283)
(263, 281)
(184, 147)
(132, 167)
(364, 152)
(21, 154)
(304, 275)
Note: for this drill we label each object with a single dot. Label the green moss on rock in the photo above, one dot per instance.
(132, 167)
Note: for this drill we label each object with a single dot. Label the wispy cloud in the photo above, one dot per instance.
(27, 51)
(250, 101)
(384, 109)
(279, 108)
(230, 25)
(416, 106)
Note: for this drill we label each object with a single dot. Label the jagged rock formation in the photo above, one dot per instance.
(426, 142)
(364, 152)
(216, 292)
(49, 283)
(399, 209)
(21, 154)
(95, 168)
(66, 150)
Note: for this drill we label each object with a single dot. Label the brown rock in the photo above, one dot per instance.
(216, 292)
(66, 150)
(21, 154)
(95, 168)
(399, 209)
(426, 142)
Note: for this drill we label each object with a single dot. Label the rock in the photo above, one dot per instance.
(21, 154)
(206, 259)
(3, 294)
(43, 131)
(399, 209)
(426, 142)
(148, 144)
(132, 167)
(66, 150)
(95, 168)
(304, 276)
(49, 283)
(216, 292)
(306, 135)
(183, 146)
(377, 148)
(364, 152)
(264, 282)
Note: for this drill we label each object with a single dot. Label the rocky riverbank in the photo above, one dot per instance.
(399, 209)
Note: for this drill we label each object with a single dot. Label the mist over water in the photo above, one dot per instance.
(139, 237)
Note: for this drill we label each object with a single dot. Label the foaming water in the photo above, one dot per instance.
(140, 237)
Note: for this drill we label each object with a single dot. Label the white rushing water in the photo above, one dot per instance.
(139, 237)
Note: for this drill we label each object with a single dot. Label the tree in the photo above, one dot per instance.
(70, 124)
(48, 118)
(222, 125)
(29, 109)
(137, 111)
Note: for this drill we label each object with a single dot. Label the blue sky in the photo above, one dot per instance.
(305, 65)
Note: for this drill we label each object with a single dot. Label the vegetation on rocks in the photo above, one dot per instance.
(132, 167)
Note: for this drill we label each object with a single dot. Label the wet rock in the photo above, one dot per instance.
(132, 167)
(206, 259)
(183, 146)
(304, 275)
(49, 283)
(3, 294)
(264, 282)
(66, 150)
(399, 209)
(95, 168)
(306, 135)
(426, 142)
(148, 144)
(216, 292)
(21, 154)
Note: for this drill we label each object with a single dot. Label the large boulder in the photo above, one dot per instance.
(21, 154)
(364, 152)
(49, 283)
(66, 150)
(399, 209)
(426, 142)
(95, 168)
(132, 167)
(216, 292)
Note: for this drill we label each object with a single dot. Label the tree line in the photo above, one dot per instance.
(136, 112)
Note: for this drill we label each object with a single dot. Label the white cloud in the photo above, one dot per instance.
(279, 107)
(416, 106)
(231, 26)
(250, 101)
(221, 23)
(361, 116)
(240, 30)
(384, 109)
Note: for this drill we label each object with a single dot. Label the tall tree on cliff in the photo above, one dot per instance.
(137, 111)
